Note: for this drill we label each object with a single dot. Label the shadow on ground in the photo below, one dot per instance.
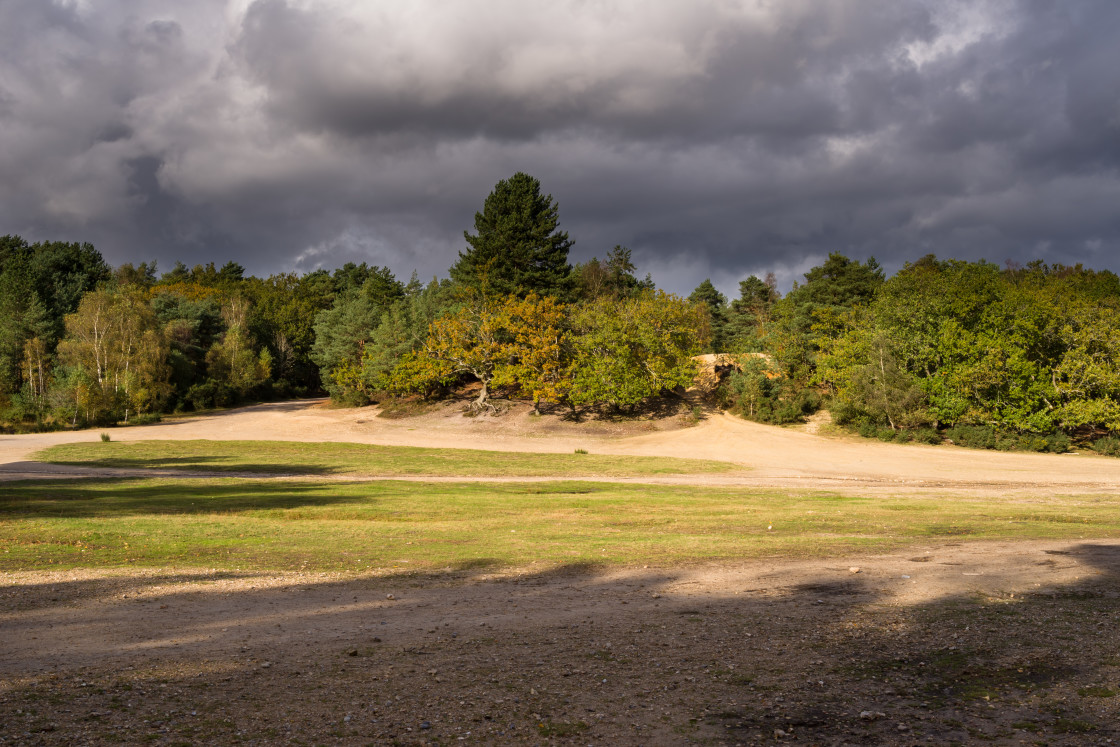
(572, 655)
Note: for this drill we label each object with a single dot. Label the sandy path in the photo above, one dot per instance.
(776, 457)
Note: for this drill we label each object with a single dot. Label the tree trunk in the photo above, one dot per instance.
(482, 395)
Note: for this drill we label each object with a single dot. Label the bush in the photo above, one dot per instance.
(1058, 443)
(1109, 446)
(927, 436)
(754, 396)
(986, 437)
(972, 436)
(210, 394)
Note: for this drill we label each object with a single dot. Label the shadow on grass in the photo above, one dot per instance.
(108, 498)
(208, 464)
(567, 646)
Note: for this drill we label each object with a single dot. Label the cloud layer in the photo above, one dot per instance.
(715, 138)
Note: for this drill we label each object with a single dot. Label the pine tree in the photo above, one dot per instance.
(716, 303)
(517, 249)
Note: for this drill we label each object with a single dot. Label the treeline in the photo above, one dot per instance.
(1010, 358)
(82, 343)
(1004, 357)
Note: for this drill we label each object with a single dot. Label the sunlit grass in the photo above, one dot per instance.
(393, 526)
(364, 459)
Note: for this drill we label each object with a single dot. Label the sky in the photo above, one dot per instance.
(714, 138)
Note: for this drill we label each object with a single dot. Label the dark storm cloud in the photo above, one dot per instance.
(714, 138)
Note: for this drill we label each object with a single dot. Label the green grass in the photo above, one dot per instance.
(395, 526)
(362, 459)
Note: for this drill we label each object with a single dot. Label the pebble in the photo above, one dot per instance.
(854, 569)
(390, 596)
(425, 725)
(871, 715)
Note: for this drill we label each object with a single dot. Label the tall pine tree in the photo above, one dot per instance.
(517, 248)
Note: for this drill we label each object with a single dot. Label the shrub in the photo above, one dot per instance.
(1058, 443)
(972, 436)
(927, 436)
(1109, 446)
(210, 394)
(985, 437)
(751, 394)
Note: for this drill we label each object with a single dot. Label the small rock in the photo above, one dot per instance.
(266, 665)
(390, 596)
(376, 640)
(779, 733)
(854, 569)
(425, 725)
(354, 652)
(532, 691)
(871, 715)
(903, 727)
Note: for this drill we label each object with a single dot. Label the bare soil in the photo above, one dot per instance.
(1002, 643)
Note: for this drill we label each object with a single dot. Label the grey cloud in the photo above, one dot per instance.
(715, 139)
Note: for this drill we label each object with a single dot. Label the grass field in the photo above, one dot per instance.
(393, 526)
(290, 457)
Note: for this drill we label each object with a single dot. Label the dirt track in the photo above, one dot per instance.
(947, 642)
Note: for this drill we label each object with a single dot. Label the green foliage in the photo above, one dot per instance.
(343, 332)
(282, 319)
(612, 278)
(210, 394)
(234, 358)
(749, 315)
(984, 437)
(948, 343)
(715, 302)
(1109, 446)
(819, 311)
(39, 285)
(402, 330)
(758, 393)
(516, 343)
(118, 355)
(517, 248)
(627, 351)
